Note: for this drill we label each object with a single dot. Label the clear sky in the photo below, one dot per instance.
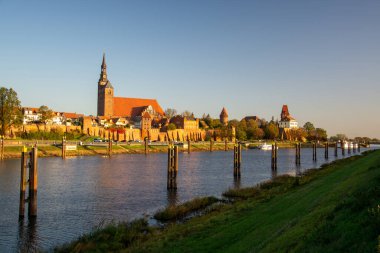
(322, 58)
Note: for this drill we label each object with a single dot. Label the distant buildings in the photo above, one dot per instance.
(287, 121)
(32, 115)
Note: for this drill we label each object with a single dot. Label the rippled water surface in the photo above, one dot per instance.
(77, 194)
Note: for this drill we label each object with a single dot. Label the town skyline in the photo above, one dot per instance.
(326, 89)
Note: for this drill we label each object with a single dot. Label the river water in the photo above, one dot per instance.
(79, 194)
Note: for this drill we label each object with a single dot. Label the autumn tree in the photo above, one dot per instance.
(46, 113)
(10, 110)
(271, 131)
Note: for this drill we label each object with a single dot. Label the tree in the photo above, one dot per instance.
(321, 134)
(187, 114)
(172, 126)
(169, 112)
(271, 131)
(10, 110)
(308, 126)
(46, 113)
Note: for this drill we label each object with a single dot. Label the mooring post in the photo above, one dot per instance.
(33, 183)
(211, 145)
(225, 144)
(298, 153)
(359, 146)
(274, 156)
(23, 182)
(342, 147)
(109, 146)
(146, 145)
(354, 147)
(237, 159)
(63, 147)
(1, 147)
(314, 151)
(327, 150)
(172, 167)
(336, 149)
(188, 146)
(176, 159)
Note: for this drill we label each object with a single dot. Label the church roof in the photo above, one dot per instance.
(132, 107)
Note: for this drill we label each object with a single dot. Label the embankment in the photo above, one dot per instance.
(332, 209)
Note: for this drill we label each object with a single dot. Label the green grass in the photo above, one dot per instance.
(334, 209)
(176, 212)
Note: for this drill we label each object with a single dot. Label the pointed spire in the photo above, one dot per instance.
(104, 65)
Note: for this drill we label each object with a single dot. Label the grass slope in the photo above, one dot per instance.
(335, 209)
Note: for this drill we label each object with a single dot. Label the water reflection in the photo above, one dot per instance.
(172, 197)
(274, 173)
(27, 240)
(237, 182)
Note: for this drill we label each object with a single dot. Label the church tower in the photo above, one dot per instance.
(105, 92)
(224, 117)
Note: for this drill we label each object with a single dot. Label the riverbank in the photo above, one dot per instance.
(333, 209)
(123, 148)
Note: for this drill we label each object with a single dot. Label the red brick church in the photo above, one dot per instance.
(111, 106)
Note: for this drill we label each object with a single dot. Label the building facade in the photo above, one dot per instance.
(287, 121)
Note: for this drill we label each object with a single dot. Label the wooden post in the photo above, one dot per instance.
(274, 156)
(349, 148)
(211, 145)
(314, 151)
(33, 183)
(63, 147)
(176, 159)
(359, 146)
(109, 146)
(188, 146)
(1, 147)
(298, 153)
(326, 150)
(146, 145)
(237, 159)
(342, 147)
(172, 167)
(336, 149)
(23, 182)
(225, 144)
(354, 147)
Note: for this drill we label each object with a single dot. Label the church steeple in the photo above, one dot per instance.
(104, 65)
(105, 92)
(103, 80)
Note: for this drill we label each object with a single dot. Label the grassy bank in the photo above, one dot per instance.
(334, 209)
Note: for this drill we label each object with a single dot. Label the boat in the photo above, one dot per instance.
(265, 146)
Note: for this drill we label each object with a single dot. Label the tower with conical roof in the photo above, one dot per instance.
(105, 92)
(224, 117)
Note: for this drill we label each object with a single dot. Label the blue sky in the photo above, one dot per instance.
(322, 58)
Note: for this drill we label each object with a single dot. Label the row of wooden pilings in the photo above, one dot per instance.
(29, 162)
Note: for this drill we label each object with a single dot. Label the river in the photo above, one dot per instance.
(79, 194)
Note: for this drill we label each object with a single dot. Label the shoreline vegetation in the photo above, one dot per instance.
(335, 208)
(54, 150)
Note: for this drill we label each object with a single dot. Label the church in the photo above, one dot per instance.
(110, 106)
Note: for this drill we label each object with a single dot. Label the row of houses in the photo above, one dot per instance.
(33, 115)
